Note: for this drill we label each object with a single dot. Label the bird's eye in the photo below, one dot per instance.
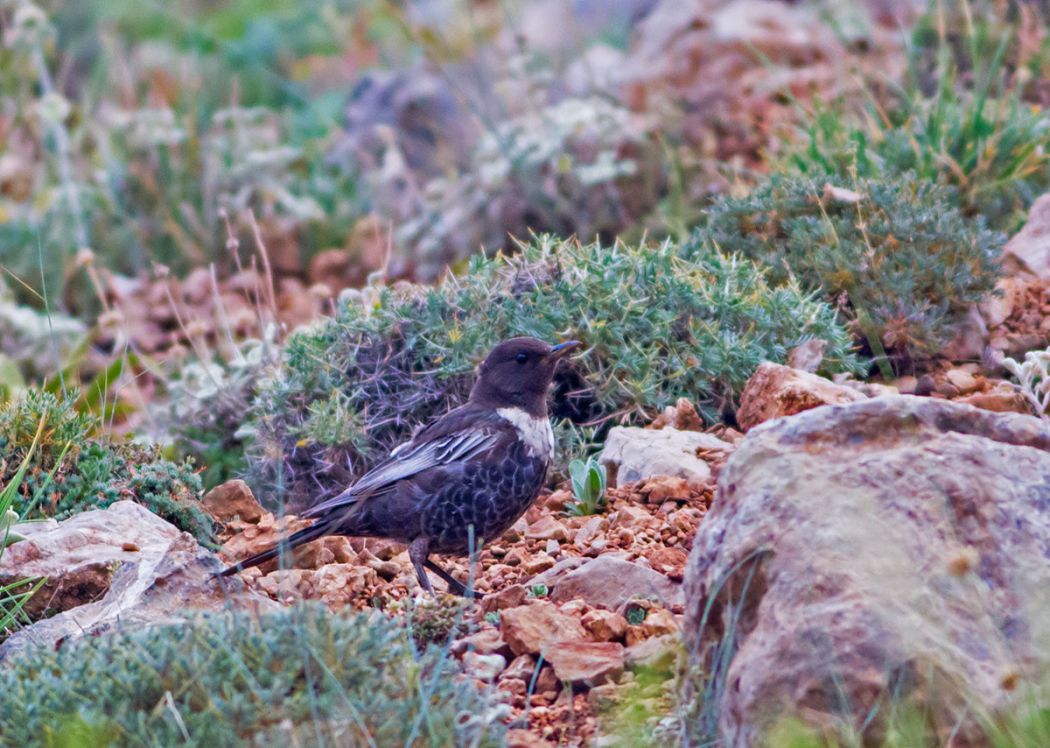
(521, 358)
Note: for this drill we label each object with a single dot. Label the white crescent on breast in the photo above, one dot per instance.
(535, 432)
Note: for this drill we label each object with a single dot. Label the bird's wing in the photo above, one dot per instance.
(411, 458)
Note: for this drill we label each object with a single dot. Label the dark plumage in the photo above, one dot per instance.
(463, 479)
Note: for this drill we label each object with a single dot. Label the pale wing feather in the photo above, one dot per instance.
(407, 460)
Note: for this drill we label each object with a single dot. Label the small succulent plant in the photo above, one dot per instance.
(588, 486)
(636, 615)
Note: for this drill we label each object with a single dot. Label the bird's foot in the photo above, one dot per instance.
(455, 587)
(461, 590)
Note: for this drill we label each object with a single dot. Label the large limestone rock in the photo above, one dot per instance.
(634, 454)
(122, 565)
(895, 543)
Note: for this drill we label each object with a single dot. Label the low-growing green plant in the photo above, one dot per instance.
(538, 590)
(433, 619)
(901, 724)
(657, 324)
(15, 595)
(902, 261)
(642, 712)
(72, 471)
(588, 486)
(636, 615)
(298, 677)
(7, 520)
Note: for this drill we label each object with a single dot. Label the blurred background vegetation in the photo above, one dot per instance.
(129, 127)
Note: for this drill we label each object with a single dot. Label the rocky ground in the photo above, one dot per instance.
(573, 605)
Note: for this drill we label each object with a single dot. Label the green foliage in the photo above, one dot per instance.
(960, 119)
(434, 619)
(905, 262)
(7, 535)
(643, 709)
(636, 615)
(1027, 724)
(71, 471)
(656, 326)
(14, 595)
(299, 677)
(902, 724)
(20, 417)
(538, 590)
(588, 486)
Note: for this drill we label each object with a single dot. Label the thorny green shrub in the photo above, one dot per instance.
(902, 261)
(73, 471)
(656, 326)
(298, 677)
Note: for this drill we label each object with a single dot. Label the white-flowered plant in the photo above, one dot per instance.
(1033, 379)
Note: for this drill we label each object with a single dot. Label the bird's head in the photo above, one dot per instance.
(517, 373)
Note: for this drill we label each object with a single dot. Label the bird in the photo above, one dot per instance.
(460, 481)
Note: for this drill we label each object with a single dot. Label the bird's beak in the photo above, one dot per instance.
(562, 349)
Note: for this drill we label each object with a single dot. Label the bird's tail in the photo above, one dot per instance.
(296, 539)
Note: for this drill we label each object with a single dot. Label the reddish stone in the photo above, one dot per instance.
(527, 629)
(585, 663)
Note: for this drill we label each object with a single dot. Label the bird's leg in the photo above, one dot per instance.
(418, 550)
(455, 586)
